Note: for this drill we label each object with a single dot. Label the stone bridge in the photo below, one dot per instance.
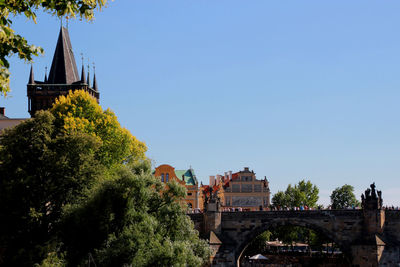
(369, 237)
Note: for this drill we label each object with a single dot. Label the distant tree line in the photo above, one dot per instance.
(305, 195)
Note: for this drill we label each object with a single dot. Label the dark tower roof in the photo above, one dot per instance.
(63, 68)
(31, 78)
(95, 83)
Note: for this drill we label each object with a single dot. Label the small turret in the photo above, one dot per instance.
(31, 77)
(83, 79)
(95, 83)
(88, 77)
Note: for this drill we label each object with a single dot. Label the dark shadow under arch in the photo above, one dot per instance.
(277, 223)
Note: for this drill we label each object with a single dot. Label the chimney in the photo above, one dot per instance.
(212, 180)
(2, 111)
(230, 175)
(218, 180)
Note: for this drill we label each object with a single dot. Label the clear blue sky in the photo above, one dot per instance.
(291, 89)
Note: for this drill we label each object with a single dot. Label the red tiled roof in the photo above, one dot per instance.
(235, 176)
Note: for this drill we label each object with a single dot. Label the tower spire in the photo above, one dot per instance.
(63, 68)
(31, 78)
(94, 79)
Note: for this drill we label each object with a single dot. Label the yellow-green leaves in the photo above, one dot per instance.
(79, 112)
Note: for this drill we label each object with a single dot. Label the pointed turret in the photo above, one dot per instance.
(95, 83)
(88, 77)
(63, 68)
(31, 78)
(45, 74)
(83, 79)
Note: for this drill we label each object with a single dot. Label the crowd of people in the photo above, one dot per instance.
(278, 208)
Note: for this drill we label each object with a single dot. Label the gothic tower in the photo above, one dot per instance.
(63, 77)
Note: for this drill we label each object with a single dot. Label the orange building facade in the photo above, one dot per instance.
(186, 178)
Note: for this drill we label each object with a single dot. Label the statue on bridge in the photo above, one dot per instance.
(212, 201)
(370, 200)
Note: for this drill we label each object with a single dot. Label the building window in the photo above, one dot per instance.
(228, 201)
(236, 188)
(246, 178)
(167, 177)
(162, 177)
(189, 194)
(257, 188)
(247, 188)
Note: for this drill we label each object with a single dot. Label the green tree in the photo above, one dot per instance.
(57, 206)
(51, 161)
(133, 220)
(279, 200)
(40, 172)
(79, 112)
(302, 194)
(343, 197)
(13, 43)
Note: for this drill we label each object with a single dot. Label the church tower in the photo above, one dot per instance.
(62, 78)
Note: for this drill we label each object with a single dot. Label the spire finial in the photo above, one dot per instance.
(82, 58)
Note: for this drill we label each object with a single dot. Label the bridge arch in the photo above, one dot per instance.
(302, 222)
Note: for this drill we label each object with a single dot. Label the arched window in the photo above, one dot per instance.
(167, 177)
(162, 177)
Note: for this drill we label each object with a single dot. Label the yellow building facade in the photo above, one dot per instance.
(241, 191)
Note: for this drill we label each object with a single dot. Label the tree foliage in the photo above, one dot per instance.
(57, 204)
(279, 200)
(40, 172)
(133, 220)
(13, 43)
(302, 194)
(343, 197)
(79, 112)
